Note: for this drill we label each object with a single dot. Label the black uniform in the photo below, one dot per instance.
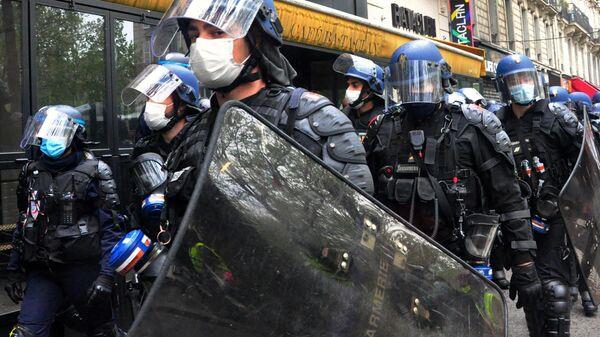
(318, 126)
(68, 226)
(468, 154)
(549, 135)
(361, 122)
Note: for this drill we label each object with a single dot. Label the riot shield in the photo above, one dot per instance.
(277, 244)
(579, 203)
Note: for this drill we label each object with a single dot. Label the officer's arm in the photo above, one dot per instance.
(108, 214)
(568, 132)
(341, 147)
(495, 167)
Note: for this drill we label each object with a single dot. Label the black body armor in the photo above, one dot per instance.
(60, 222)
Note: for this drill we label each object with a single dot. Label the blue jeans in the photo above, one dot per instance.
(49, 289)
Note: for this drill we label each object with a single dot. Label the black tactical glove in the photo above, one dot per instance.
(14, 286)
(100, 291)
(526, 283)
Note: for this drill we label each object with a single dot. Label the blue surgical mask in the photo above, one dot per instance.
(523, 93)
(53, 148)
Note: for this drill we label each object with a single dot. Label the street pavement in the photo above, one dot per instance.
(581, 326)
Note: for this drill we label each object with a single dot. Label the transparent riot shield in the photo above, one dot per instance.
(579, 203)
(276, 244)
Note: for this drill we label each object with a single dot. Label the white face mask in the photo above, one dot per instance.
(352, 96)
(212, 62)
(154, 115)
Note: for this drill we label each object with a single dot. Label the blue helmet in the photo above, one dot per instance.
(158, 81)
(581, 98)
(596, 98)
(517, 80)
(361, 68)
(189, 90)
(417, 76)
(422, 50)
(558, 94)
(129, 251)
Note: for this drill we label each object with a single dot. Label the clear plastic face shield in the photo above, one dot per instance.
(414, 81)
(522, 87)
(155, 82)
(49, 123)
(148, 173)
(347, 63)
(234, 17)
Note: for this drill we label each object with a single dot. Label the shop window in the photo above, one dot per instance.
(132, 54)
(8, 207)
(11, 117)
(70, 65)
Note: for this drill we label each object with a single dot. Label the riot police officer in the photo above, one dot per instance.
(364, 89)
(559, 95)
(578, 102)
(170, 93)
(545, 146)
(445, 167)
(239, 59)
(68, 223)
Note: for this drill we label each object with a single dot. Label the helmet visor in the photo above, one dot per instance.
(234, 17)
(523, 86)
(415, 81)
(155, 82)
(148, 173)
(49, 123)
(346, 64)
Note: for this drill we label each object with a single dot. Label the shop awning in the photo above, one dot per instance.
(579, 84)
(315, 25)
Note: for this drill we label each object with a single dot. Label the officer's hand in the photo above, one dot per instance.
(100, 291)
(14, 286)
(526, 283)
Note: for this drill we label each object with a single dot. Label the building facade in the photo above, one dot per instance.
(560, 36)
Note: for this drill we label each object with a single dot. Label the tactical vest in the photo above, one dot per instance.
(406, 171)
(61, 224)
(542, 166)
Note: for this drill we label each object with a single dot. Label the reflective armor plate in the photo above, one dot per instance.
(279, 245)
(579, 203)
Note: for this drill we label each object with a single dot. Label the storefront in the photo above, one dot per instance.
(492, 57)
(83, 52)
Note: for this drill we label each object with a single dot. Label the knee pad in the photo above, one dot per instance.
(557, 306)
(21, 331)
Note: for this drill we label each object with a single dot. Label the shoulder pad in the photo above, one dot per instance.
(328, 121)
(88, 155)
(491, 128)
(359, 175)
(346, 148)
(311, 102)
(107, 185)
(104, 171)
(472, 113)
(566, 118)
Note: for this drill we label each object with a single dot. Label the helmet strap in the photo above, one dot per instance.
(246, 75)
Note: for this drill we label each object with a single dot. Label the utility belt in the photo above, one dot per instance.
(473, 232)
